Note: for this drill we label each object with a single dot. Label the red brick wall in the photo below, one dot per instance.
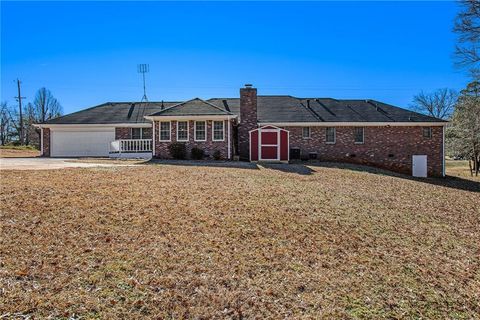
(209, 146)
(46, 142)
(379, 143)
(248, 120)
(123, 133)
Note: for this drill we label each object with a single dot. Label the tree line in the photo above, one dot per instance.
(18, 128)
(462, 108)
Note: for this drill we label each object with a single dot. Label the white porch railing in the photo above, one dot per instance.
(131, 146)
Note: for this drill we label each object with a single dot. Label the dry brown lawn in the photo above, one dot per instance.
(173, 241)
(18, 153)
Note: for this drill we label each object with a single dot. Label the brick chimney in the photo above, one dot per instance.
(248, 119)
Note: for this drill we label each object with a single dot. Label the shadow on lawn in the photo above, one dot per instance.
(308, 168)
(449, 181)
(206, 163)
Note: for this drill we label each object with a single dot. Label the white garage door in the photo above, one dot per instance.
(76, 142)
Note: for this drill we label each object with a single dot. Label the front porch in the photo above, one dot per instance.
(131, 148)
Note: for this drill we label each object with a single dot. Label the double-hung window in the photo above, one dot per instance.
(164, 131)
(359, 135)
(218, 130)
(200, 131)
(427, 132)
(306, 134)
(182, 131)
(330, 135)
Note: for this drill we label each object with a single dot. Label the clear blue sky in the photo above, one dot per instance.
(86, 53)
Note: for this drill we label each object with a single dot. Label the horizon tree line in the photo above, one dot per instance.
(44, 107)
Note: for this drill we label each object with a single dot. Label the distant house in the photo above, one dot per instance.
(256, 128)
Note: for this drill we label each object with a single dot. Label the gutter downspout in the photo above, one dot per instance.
(153, 139)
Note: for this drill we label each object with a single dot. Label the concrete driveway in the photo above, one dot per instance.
(46, 163)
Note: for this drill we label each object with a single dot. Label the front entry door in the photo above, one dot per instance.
(269, 140)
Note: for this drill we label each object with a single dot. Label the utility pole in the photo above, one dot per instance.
(19, 99)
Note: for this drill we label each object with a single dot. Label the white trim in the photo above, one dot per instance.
(334, 135)
(260, 145)
(309, 133)
(443, 152)
(153, 139)
(288, 145)
(250, 145)
(182, 118)
(195, 130)
(363, 136)
(278, 143)
(213, 131)
(115, 125)
(266, 129)
(160, 131)
(188, 129)
(41, 142)
(228, 141)
(351, 124)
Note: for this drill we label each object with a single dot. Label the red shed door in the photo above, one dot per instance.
(269, 144)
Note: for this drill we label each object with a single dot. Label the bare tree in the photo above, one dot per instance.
(465, 129)
(439, 104)
(46, 105)
(467, 26)
(5, 124)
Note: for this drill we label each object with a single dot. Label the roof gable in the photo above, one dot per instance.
(194, 107)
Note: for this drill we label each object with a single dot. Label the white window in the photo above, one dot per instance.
(218, 130)
(182, 131)
(427, 132)
(359, 135)
(165, 131)
(330, 135)
(200, 131)
(306, 133)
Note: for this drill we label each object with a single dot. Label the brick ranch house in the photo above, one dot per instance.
(256, 128)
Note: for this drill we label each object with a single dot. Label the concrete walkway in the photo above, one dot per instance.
(46, 164)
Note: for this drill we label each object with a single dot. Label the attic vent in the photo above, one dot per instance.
(130, 111)
(225, 104)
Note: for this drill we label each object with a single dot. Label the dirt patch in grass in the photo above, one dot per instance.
(18, 152)
(172, 241)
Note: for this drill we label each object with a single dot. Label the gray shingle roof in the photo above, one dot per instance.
(194, 107)
(269, 109)
(116, 112)
(292, 109)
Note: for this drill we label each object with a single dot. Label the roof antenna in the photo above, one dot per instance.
(143, 68)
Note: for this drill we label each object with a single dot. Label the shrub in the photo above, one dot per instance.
(177, 150)
(217, 155)
(197, 153)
